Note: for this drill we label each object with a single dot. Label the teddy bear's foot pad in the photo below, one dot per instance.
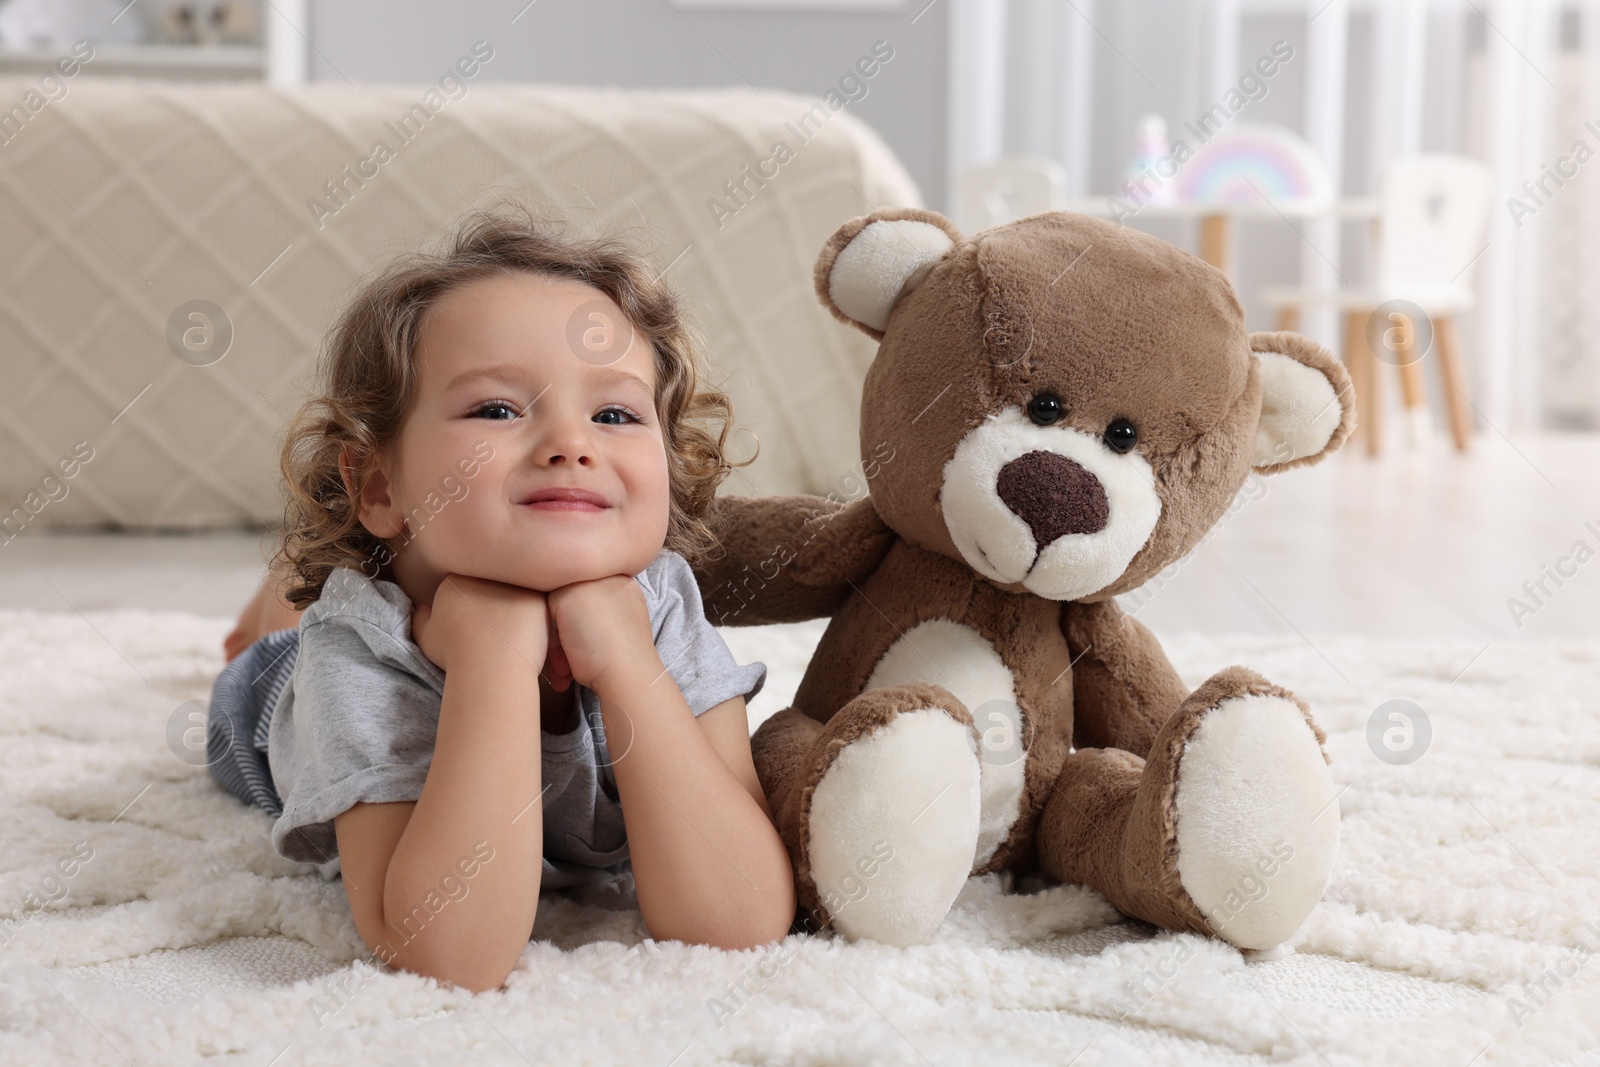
(894, 826)
(1257, 820)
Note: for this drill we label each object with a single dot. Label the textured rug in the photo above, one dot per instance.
(144, 918)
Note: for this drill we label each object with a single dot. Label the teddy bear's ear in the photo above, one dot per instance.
(871, 262)
(1307, 403)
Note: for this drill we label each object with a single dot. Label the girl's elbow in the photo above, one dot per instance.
(757, 929)
(474, 976)
(773, 930)
(759, 934)
(772, 920)
(476, 973)
(487, 982)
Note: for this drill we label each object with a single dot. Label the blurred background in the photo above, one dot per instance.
(1407, 181)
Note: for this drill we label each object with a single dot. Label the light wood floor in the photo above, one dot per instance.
(1422, 544)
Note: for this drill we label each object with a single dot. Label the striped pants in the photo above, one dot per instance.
(242, 701)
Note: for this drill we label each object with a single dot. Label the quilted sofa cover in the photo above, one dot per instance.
(126, 201)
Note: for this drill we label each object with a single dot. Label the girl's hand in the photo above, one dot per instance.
(471, 613)
(600, 626)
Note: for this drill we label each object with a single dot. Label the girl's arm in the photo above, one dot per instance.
(709, 866)
(406, 865)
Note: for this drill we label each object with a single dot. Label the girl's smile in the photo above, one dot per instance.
(565, 498)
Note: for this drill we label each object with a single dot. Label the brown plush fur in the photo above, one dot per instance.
(1122, 678)
(785, 559)
(1120, 326)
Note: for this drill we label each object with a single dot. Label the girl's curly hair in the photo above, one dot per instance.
(367, 381)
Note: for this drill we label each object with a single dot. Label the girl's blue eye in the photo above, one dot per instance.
(495, 405)
(627, 416)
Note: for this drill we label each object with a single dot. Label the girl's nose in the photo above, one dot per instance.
(564, 440)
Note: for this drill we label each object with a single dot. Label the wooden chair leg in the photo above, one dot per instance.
(1288, 318)
(1363, 377)
(1455, 385)
(1215, 240)
(1413, 391)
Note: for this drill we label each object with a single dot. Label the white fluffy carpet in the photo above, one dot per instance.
(1452, 933)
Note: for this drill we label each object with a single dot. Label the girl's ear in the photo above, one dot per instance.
(375, 505)
(1308, 407)
(873, 261)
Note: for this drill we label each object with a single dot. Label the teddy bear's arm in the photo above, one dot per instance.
(1123, 686)
(787, 558)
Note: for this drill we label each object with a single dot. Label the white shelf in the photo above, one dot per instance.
(149, 61)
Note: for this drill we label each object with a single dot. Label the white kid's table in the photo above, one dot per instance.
(1217, 218)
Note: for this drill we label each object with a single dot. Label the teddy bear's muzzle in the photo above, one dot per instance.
(1051, 508)
(1054, 495)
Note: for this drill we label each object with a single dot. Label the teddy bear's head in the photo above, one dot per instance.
(1062, 402)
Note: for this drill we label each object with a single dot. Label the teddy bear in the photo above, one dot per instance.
(1058, 409)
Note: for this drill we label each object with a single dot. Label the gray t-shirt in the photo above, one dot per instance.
(357, 721)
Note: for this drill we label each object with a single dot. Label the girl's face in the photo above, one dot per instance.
(532, 454)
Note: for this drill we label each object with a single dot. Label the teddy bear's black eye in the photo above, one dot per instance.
(1121, 436)
(1045, 409)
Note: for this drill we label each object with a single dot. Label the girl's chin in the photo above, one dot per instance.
(577, 564)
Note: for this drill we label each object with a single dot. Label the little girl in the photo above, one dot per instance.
(502, 471)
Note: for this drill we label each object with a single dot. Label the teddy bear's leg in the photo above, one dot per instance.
(1123, 686)
(1230, 828)
(879, 808)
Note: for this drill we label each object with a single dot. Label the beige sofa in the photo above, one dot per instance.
(125, 203)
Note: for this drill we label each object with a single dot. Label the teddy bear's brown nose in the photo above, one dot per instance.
(1053, 495)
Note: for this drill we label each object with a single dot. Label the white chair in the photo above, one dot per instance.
(1433, 214)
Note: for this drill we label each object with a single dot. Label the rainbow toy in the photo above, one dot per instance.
(1247, 163)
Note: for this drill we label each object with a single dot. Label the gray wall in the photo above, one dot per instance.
(651, 44)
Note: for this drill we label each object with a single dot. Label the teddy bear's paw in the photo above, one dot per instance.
(894, 825)
(1257, 819)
